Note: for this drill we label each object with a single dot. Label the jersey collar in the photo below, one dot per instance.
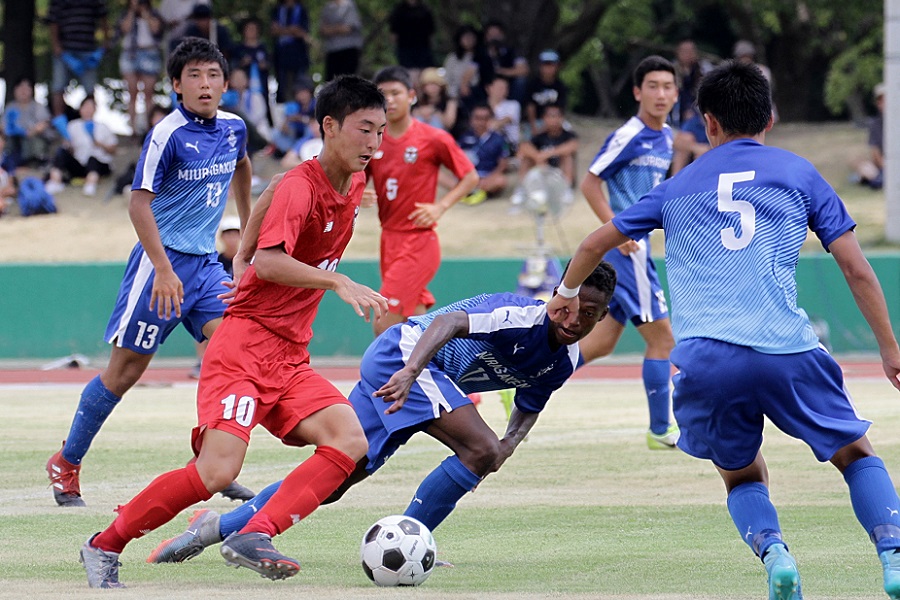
(209, 122)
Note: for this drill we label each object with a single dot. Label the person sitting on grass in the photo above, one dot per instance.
(88, 153)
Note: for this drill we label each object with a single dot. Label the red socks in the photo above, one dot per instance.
(302, 491)
(156, 505)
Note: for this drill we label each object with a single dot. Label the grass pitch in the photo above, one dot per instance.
(582, 510)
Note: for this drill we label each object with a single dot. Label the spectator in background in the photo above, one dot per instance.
(73, 37)
(412, 25)
(251, 107)
(488, 152)
(555, 146)
(7, 180)
(340, 29)
(298, 114)
(27, 125)
(203, 25)
(507, 63)
(434, 103)
(250, 54)
(745, 52)
(507, 113)
(467, 67)
(140, 58)
(175, 15)
(545, 90)
(305, 149)
(870, 172)
(89, 152)
(290, 28)
(690, 140)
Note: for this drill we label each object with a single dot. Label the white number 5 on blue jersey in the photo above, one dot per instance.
(727, 203)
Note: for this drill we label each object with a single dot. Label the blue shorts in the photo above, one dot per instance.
(639, 296)
(142, 61)
(135, 327)
(723, 391)
(432, 392)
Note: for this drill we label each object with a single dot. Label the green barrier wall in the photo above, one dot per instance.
(47, 311)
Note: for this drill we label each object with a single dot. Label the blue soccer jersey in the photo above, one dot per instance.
(735, 220)
(632, 161)
(508, 346)
(188, 162)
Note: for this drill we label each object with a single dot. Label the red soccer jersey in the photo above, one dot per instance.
(405, 171)
(314, 223)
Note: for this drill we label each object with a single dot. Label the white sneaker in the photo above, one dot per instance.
(54, 187)
(90, 189)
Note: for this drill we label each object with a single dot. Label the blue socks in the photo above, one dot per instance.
(655, 373)
(875, 501)
(96, 404)
(440, 491)
(754, 516)
(237, 518)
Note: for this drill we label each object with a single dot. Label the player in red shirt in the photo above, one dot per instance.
(256, 369)
(405, 173)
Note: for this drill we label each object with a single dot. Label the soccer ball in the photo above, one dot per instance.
(398, 550)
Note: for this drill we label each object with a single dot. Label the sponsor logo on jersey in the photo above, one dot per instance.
(328, 226)
(411, 155)
(232, 139)
(199, 173)
(517, 347)
(647, 145)
(195, 146)
(501, 371)
(545, 370)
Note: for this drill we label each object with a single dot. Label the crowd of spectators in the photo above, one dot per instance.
(482, 90)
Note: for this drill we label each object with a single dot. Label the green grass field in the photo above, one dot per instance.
(582, 510)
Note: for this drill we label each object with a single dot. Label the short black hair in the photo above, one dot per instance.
(22, 79)
(650, 64)
(482, 106)
(739, 97)
(194, 49)
(394, 74)
(602, 279)
(345, 95)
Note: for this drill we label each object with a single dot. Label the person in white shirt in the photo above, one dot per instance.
(87, 153)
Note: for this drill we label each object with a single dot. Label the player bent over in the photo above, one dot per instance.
(735, 221)
(180, 186)
(416, 377)
(256, 370)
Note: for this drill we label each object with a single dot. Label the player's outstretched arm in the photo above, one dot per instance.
(587, 256)
(167, 293)
(439, 332)
(427, 214)
(273, 264)
(870, 299)
(520, 423)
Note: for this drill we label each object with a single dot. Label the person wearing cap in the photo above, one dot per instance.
(870, 171)
(745, 52)
(203, 25)
(434, 103)
(544, 90)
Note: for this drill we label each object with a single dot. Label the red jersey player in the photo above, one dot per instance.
(256, 369)
(405, 172)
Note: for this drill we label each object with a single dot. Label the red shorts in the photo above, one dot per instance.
(409, 261)
(250, 376)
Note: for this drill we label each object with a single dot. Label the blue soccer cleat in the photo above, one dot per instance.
(784, 578)
(890, 560)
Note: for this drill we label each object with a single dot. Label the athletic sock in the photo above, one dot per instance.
(754, 516)
(156, 505)
(302, 491)
(440, 491)
(655, 373)
(97, 402)
(240, 516)
(875, 501)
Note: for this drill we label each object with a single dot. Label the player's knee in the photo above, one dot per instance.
(353, 444)
(481, 457)
(217, 477)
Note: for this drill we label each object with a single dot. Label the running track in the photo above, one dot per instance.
(853, 369)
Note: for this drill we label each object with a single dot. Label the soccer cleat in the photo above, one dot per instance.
(202, 531)
(475, 198)
(784, 578)
(64, 480)
(890, 560)
(665, 441)
(255, 551)
(236, 491)
(102, 567)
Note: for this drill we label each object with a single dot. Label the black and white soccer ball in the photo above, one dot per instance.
(398, 550)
